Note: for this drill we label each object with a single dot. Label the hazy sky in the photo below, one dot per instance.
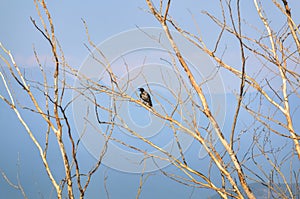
(104, 20)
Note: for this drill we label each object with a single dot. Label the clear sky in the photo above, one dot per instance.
(104, 20)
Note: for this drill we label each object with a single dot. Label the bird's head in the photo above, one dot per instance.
(141, 89)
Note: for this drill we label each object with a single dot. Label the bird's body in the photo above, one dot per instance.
(145, 97)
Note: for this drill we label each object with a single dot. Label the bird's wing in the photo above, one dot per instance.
(149, 99)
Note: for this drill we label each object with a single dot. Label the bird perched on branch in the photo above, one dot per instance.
(145, 97)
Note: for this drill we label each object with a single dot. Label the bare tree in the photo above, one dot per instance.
(272, 51)
(281, 51)
(53, 110)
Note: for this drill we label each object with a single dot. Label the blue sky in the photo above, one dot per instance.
(104, 20)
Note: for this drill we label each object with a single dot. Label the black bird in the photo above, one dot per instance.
(145, 97)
